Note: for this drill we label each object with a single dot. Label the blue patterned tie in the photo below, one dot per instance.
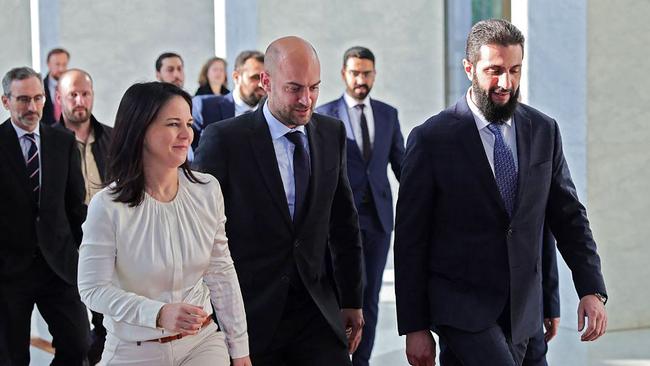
(505, 171)
(33, 167)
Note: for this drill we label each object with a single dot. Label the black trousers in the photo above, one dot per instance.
(491, 346)
(536, 350)
(376, 244)
(59, 304)
(303, 337)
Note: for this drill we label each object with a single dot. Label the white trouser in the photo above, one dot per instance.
(208, 347)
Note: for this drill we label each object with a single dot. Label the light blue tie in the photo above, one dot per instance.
(505, 171)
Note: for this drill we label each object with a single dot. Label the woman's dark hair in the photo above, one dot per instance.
(138, 108)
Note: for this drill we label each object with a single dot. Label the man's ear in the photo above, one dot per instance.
(469, 68)
(265, 81)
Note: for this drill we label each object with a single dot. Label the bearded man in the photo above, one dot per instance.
(479, 180)
(76, 96)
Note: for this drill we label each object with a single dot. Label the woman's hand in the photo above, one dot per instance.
(181, 318)
(243, 361)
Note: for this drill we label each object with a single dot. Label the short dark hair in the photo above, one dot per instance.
(56, 51)
(138, 108)
(165, 55)
(492, 31)
(18, 73)
(358, 52)
(245, 55)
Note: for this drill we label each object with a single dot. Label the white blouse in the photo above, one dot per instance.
(133, 260)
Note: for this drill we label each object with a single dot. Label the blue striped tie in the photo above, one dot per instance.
(33, 167)
(505, 171)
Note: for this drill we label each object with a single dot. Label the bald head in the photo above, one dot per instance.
(75, 93)
(285, 49)
(291, 79)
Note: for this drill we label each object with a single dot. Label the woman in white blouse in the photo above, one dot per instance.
(154, 254)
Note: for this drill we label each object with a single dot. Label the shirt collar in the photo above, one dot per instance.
(239, 102)
(479, 118)
(20, 132)
(351, 102)
(277, 128)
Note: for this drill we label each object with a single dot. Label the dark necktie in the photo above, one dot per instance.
(365, 135)
(301, 168)
(33, 167)
(505, 171)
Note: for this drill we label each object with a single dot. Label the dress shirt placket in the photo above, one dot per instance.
(170, 213)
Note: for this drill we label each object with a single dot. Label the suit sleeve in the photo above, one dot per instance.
(197, 115)
(396, 149)
(208, 157)
(414, 220)
(75, 194)
(345, 238)
(568, 221)
(550, 279)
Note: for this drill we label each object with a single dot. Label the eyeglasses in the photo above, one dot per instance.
(26, 100)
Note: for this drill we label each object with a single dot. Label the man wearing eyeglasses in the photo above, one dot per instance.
(374, 140)
(41, 211)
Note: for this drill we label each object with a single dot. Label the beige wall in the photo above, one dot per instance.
(618, 154)
(407, 39)
(15, 39)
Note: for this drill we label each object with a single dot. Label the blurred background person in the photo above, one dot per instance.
(170, 69)
(76, 96)
(154, 253)
(57, 64)
(212, 78)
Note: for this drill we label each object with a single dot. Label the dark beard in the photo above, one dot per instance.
(491, 111)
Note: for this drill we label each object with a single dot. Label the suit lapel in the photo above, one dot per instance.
(342, 112)
(13, 155)
(229, 108)
(524, 139)
(469, 136)
(48, 153)
(264, 152)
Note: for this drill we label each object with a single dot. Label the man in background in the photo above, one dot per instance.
(57, 63)
(169, 69)
(244, 98)
(41, 212)
(76, 96)
(374, 140)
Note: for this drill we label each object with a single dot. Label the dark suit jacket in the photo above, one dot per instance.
(265, 244)
(550, 278)
(459, 258)
(54, 228)
(207, 109)
(103, 136)
(48, 107)
(206, 90)
(388, 147)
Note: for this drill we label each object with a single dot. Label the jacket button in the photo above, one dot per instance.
(296, 243)
(285, 278)
(509, 232)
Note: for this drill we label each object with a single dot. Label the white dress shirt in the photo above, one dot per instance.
(134, 260)
(284, 153)
(487, 137)
(355, 119)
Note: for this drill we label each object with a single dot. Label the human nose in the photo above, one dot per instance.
(505, 81)
(186, 132)
(305, 97)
